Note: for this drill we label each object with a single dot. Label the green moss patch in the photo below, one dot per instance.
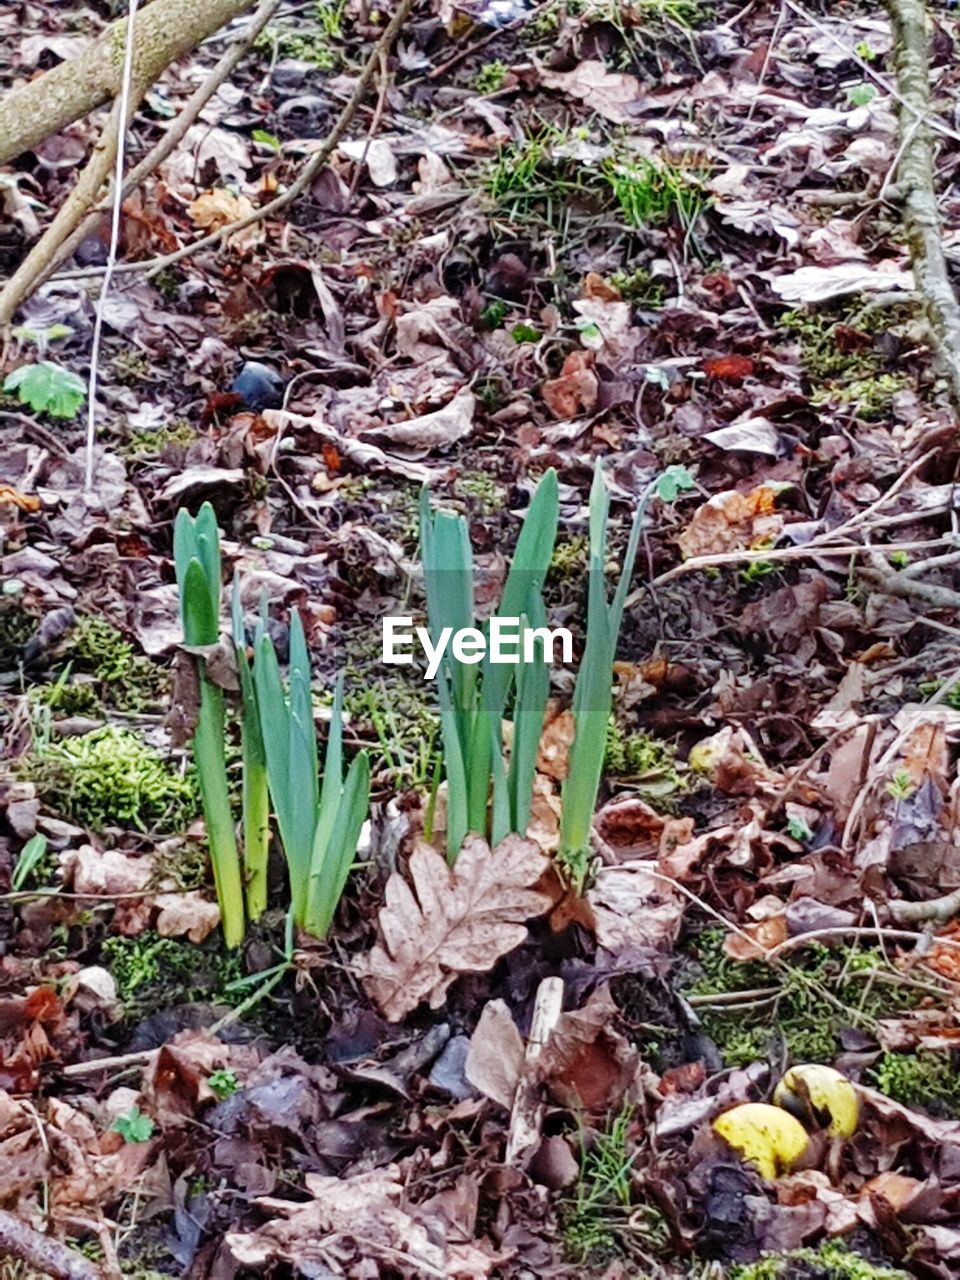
(111, 778)
(831, 1260)
(153, 973)
(790, 1002)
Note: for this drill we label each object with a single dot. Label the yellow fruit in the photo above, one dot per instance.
(821, 1098)
(769, 1137)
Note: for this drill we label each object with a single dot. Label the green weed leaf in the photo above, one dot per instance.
(861, 95)
(134, 1126)
(672, 482)
(47, 388)
(266, 139)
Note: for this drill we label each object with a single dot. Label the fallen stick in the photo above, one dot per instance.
(166, 30)
(306, 176)
(916, 184)
(156, 156)
(46, 1255)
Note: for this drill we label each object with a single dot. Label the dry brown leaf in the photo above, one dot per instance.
(610, 93)
(576, 388)
(587, 1064)
(436, 430)
(544, 824)
(732, 521)
(219, 208)
(495, 1056)
(926, 755)
(186, 913)
(453, 921)
(365, 1211)
(106, 872)
(555, 743)
(765, 933)
(634, 907)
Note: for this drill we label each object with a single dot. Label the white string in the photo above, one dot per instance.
(123, 107)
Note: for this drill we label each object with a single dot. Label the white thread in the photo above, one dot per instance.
(123, 108)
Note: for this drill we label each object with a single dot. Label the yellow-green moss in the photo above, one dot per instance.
(153, 973)
(125, 679)
(797, 1011)
(650, 764)
(832, 1260)
(111, 778)
(148, 444)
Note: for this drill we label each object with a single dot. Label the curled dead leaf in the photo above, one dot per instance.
(732, 521)
(555, 742)
(219, 208)
(611, 94)
(186, 913)
(576, 389)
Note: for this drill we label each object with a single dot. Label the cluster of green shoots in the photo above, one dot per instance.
(543, 175)
(472, 700)
(319, 826)
(488, 792)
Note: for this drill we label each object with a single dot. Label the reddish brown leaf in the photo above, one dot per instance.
(728, 368)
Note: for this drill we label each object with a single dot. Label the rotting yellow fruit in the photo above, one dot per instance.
(769, 1137)
(821, 1098)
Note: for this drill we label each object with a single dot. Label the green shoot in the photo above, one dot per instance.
(196, 553)
(319, 827)
(592, 694)
(473, 699)
(256, 799)
(31, 855)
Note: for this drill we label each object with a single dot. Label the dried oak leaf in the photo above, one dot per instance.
(612, 94)
(186, 913)
(453, 921)
(730, 521)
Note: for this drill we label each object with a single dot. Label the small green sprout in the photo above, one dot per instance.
(196, 553)
(863, 51)
(133, 1126)
(525, 333)
(31, 855)
(490, 77)
(901, 786)
(672, 481)
(493, 314)
(223, 1082)
(266, 139)
(861, 95)
(798, 830)
(899, 559)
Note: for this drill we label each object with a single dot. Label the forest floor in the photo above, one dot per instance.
(656, 233)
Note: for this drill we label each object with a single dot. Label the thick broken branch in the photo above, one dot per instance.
(174, 135)
(46, 252)
(937, 910)
(46, 1255)
(165, 31)
(915, 177)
